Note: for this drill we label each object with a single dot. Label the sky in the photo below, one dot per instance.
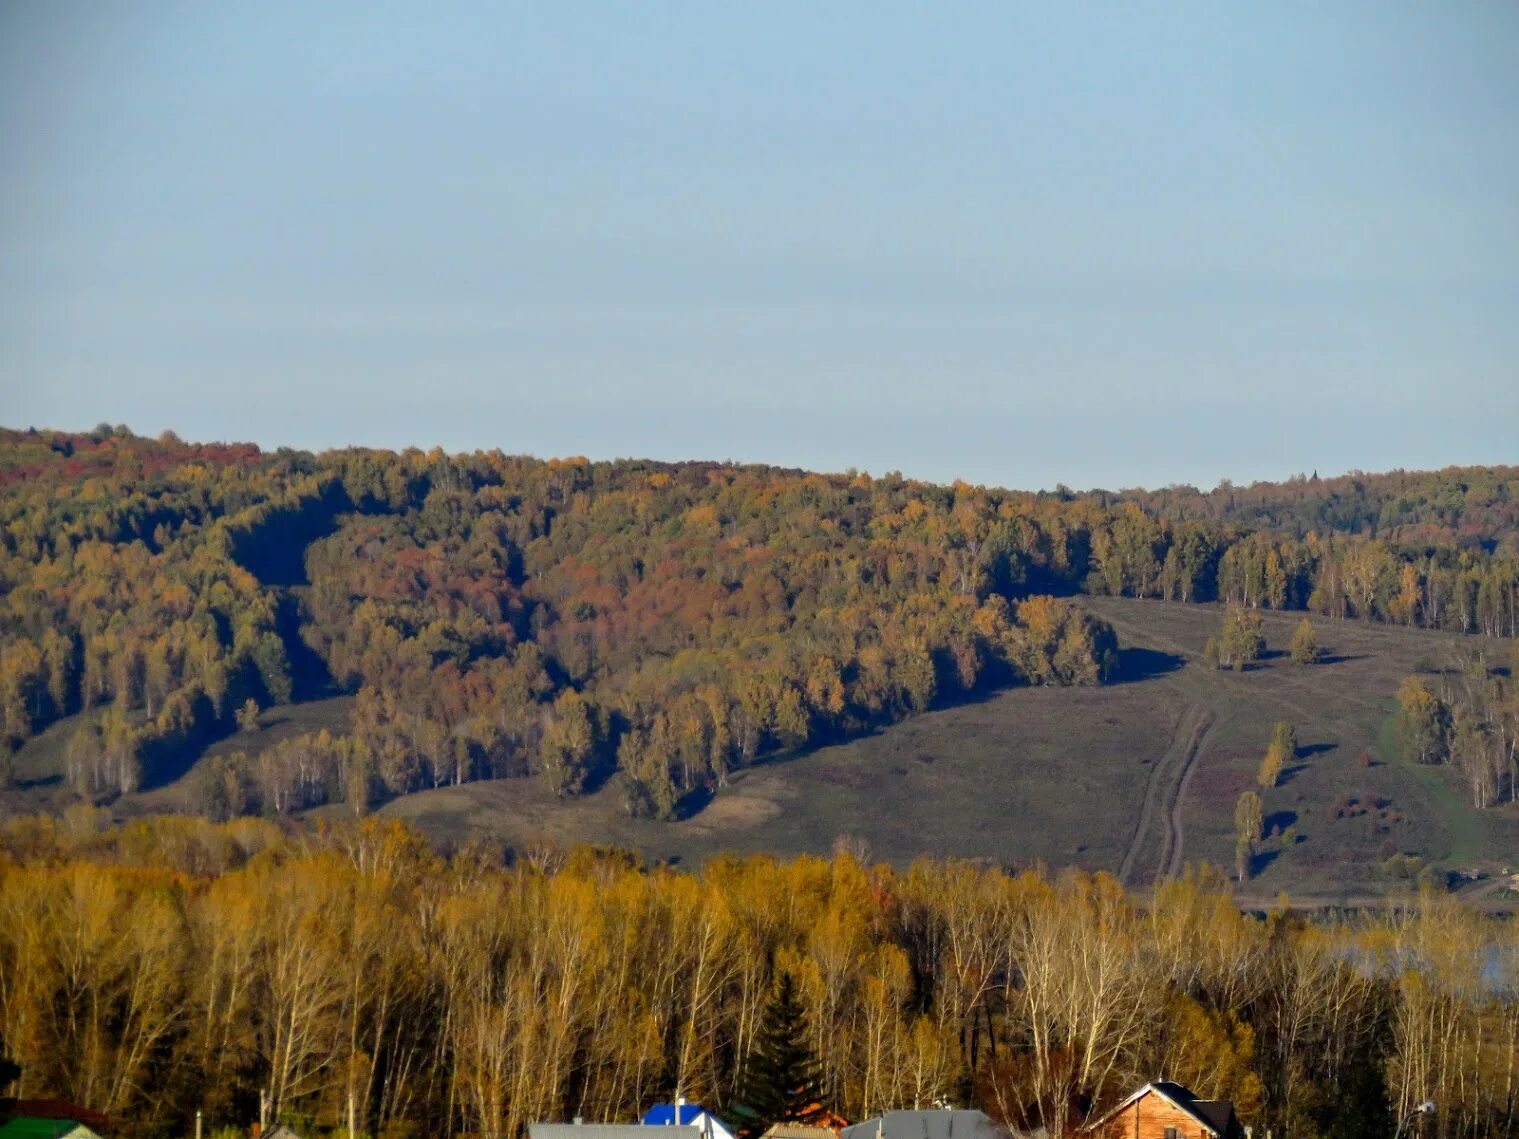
(1019, 244)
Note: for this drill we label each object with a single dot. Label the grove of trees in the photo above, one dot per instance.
(1465, 713)
(176, 965)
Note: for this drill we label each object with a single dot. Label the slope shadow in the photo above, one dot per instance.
(310, 678)
(1278, 821)
(598, 774)
(168, 759)
(274, 549)
(1262, 859)
(1292, 770)
(694, 801)
(1340, 658)
(1136, 664)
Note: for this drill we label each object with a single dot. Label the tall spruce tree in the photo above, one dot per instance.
(780, 1081)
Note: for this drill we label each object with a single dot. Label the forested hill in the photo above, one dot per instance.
(500, 615)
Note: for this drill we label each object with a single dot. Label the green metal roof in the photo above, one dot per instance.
(30, 1127)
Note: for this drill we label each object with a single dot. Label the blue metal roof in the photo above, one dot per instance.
(663, 1114)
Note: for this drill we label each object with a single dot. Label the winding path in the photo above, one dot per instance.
(1171, 845)
(1164, 790)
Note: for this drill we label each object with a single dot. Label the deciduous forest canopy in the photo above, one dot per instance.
(176, 965)
(501, 615)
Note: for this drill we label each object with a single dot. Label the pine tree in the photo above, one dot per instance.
(780, 1080)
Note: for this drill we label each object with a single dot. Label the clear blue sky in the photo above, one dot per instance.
(1019, 244)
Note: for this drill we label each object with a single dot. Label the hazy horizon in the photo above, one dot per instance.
(1023, 246)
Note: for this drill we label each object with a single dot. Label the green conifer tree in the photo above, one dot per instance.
(780, 1079)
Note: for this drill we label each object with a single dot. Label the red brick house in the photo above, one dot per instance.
(1166, 1110)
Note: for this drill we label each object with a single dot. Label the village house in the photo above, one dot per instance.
(35, 1127)
(683, 1114)
(31, 1127)
(1166, 1110)
(50, 1119)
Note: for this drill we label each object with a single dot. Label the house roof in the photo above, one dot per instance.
(800, 1131)
(606, 1131)
(936, 1124)
(34, 1127)
(1219, 1111)
(1214, 1114)
(54, 1109)
(663, 1114)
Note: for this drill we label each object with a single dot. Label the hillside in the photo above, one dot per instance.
(1137, 778)
(659, 654)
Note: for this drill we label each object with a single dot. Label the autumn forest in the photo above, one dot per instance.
(175, 965)
(498, 617)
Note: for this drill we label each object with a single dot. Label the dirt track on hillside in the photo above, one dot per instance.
(1164, 792)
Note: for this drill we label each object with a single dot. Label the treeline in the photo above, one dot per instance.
(1456, 588)
(175, 966)
(1471, 506)
(502, 615)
